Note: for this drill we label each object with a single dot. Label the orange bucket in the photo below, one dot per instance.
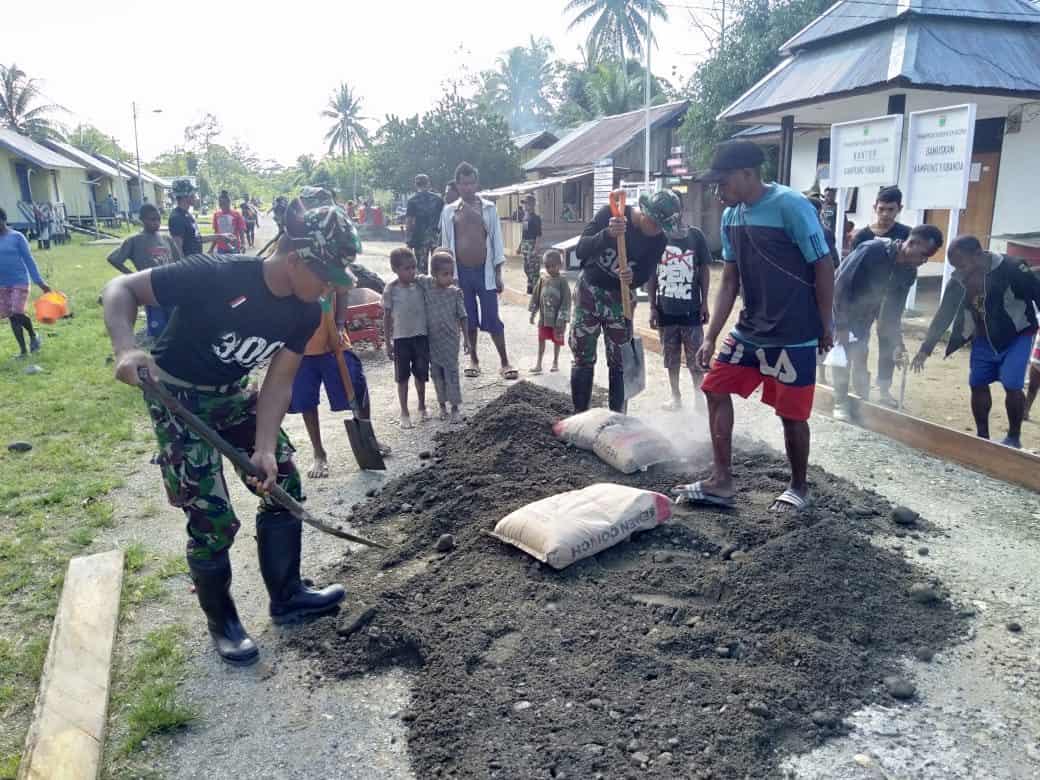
(51, 307)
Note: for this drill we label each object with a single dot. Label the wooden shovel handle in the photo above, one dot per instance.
(617, 208)
(341, 363)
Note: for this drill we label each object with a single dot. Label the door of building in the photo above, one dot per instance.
(977, 218)
(22, 173)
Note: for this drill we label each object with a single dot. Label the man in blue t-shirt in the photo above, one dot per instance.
(772, 241)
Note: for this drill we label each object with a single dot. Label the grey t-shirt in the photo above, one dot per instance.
(145, 250)
(407, 305)
(444, 309)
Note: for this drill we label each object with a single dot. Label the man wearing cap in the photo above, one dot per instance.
(182, 225)
(597, 301)
(234, 314)
(772, 242)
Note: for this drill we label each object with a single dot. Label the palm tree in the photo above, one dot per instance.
(619, 24)
(18, 92)
(517, 87)
(617, 89)
(347, 132)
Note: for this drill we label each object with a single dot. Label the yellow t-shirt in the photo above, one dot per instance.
(319, 343)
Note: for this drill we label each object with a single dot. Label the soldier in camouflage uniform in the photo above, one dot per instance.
(231, 316)
(598, 305)
(532, 234)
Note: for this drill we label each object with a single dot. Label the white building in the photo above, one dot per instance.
(861, 60)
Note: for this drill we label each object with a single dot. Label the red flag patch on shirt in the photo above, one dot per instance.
(234, 303)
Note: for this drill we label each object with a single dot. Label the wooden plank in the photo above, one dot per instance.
(67, 734)
(987, 457)
(994, 460)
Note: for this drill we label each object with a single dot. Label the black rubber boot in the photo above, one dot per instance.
(581, 387)
(278, 536)
(212, 580)
(616, 391)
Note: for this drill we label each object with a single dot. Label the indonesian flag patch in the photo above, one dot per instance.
(234, 303)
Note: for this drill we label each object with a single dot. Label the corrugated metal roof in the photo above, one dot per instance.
(945, 53)
(84, 159)
(529, 139)
(131, 171)
(34, 152)
(601, 138)
(849, 15)
(536, 184)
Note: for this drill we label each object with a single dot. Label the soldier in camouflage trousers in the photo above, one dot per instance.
(598, 305)
(231, 316)
(598, 309)
(192, 471)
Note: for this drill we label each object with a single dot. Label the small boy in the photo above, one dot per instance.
(228, 224)
(404, 321)
(679, 306)
(551, 301)
(147, 249)
(445, 319)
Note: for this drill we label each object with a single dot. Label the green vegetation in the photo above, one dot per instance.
(81, 424)
(147, 695)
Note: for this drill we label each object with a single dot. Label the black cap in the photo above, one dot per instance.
(732, 156)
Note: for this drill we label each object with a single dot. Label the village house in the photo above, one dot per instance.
(863, 60)
(102, 180)
(33, 174)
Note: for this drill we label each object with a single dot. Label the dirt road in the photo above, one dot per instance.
(976, 716)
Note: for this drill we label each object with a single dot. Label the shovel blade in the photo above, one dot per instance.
(364, 444)
(633, 367)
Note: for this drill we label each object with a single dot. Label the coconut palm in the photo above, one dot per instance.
(619, 24)
(18, 93)
(347, 132)
(518, 86)
(616, 89)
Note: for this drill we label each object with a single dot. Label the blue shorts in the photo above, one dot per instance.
(318, 370)
(471, 280)
(1007, 367)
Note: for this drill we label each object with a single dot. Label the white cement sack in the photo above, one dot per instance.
(565, 528)
(581, 430)
(632, 446)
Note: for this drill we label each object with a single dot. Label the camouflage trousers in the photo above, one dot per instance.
(193, 472)
(597, 309)
(532, 264)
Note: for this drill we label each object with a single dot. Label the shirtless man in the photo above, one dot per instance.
(471, 230)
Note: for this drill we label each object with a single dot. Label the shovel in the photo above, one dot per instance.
(156, 392)
(633, 363)
(360, 432)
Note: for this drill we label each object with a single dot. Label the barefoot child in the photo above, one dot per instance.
(445, 319)
(404, 305)
(551, 301)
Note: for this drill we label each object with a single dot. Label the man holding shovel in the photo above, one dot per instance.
(232, 315)
(598, 300)
(874, 279)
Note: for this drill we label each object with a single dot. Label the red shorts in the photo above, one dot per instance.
(787, 376)
(545, 333)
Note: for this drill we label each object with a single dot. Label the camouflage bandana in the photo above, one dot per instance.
(315, 197)
(329, 242)
(663, 207)
(182, 187)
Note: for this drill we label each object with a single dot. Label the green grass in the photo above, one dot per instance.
(84, 428)
(149, 692)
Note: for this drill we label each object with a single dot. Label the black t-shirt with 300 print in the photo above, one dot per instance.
(597, 252)
(226, 321)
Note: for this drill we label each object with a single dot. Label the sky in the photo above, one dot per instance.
(267, 71)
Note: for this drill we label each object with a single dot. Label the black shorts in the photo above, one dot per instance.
(412, 358)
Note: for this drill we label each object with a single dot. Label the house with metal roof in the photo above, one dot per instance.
(102, 180)
(154, 188)
(860, 60)
(530, 144)
(561, 176)
(31, 173)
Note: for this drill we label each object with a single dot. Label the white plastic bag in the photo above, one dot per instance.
(837, 358)
(565, 528)
(632, 446)
(581, 430)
